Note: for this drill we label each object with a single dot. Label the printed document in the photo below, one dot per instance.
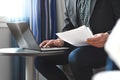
(76, 37)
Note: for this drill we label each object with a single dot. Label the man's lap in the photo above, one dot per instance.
(88, 55)
(84, 55)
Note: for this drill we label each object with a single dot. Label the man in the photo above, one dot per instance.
(100, 16)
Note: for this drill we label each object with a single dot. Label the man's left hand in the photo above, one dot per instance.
(98, 40)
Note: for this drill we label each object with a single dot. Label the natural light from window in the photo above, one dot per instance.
(11, 8)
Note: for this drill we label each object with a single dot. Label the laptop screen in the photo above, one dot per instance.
(23, 35)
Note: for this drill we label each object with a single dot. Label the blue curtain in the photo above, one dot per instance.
(43, 19)
(43, 23)
(18, 63)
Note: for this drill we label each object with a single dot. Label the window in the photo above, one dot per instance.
(12, 9)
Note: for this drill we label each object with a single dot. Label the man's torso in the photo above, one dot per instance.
(102, 17)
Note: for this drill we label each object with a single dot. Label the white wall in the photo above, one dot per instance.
(60, 14)
(5, 61)
(5, 36)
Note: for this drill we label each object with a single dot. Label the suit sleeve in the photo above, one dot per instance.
(116, 10)
(67, 23)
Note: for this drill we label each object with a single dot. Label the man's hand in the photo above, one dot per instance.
(52, 43)
(98, 40)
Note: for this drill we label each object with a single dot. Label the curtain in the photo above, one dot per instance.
(41, 15)
(20, 12)
(43, 19)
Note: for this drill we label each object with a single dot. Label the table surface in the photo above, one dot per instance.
(29, 56)
(27, 52)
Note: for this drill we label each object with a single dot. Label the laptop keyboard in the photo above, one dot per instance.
(54, 48)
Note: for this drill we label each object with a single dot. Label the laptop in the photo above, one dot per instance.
(25, 39)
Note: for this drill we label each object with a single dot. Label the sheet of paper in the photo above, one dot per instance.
(112, 45)
(76, 37)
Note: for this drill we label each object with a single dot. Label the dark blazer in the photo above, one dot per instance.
(104, 15)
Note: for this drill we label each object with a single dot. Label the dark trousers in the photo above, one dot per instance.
(82, 60)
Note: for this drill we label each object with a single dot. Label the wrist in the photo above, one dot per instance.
(58, 42)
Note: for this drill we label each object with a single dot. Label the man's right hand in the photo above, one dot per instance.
(52, 43)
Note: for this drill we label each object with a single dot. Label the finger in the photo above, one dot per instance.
(48, 44)
(94, 39)
(97, 36)
(43, 43)
(97, 44)
(100, 41)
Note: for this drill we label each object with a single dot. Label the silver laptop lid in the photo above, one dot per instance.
(23, 35)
